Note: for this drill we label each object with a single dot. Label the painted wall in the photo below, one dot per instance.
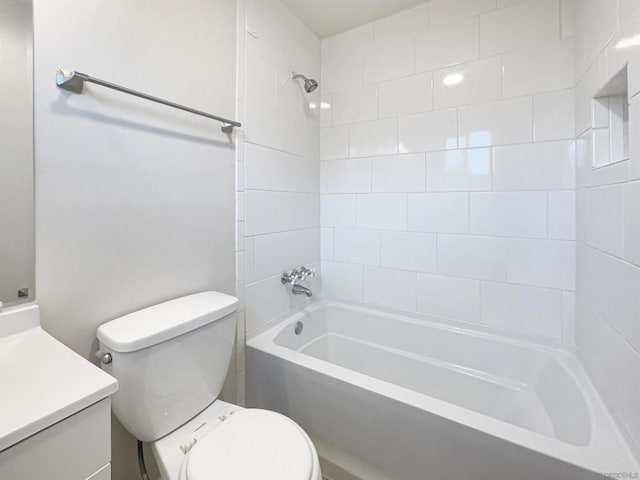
(132, 198)
(453, 199)
(16, 151)
(279, 159)
(608, 211)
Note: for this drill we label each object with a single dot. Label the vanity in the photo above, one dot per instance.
(55, 412)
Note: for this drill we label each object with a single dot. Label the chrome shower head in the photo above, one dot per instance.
(309, 83)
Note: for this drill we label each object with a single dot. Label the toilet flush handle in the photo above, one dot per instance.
(104, 357)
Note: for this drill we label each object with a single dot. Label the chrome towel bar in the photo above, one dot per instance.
(74, 82)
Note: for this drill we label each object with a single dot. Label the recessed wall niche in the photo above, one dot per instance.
(611, 122)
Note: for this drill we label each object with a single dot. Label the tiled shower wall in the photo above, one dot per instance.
(608, 211)
(453, 200)
(277, 162)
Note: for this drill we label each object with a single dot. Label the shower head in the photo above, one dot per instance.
(309, 83)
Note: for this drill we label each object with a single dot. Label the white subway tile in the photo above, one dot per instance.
(562, 215)
(298, 210)
(584, 160)
(268, 169)
(326, 115)
(449, 297)
(326, 244)
(553, 115)
(338, 210)
(527, 310)
(278, 252)
(541, 68)
(398, 173)
(386, 63)
(401, 26)
(409, 251)
(496, 123)
(632, 222)
(349, 176)
(355, 105)
(534, 166)
(334, 143)
(342, 72)
(342, 280)
(444, 12)
(618, 296)
(611, 362)
(375, 138)
(451, 45)
(262, 79)
(522, 25)
(352, 41)
(382, 211)
(517, 214)
(249, 259)
(481, 82)
(403, 96)
(541, 263)
(581, 214)
(390, 288)
(357, 246)
(459, 170)
(265, 125)
(266, 300)
(262, 212)
(605, 225)
(428, 131)
(472, 257)
(439, 212)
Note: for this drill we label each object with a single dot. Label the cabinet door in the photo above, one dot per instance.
(73, 449)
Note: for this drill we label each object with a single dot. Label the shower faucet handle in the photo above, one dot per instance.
(300, 273)
(307, 272)
(291, 277)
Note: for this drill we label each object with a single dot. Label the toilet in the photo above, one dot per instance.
(171, 361)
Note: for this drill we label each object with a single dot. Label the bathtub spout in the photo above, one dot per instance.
(297, 289)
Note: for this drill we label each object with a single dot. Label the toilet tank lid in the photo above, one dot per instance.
(165, 321)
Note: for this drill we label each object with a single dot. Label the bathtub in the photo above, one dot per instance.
(387, 396)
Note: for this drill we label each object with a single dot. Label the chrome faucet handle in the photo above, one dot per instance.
(291, 277)
(307, 272)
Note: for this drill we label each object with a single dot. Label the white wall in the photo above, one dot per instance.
(455, 201)
(16, 151)
(279, 160)
(133, 199)
(608, 220)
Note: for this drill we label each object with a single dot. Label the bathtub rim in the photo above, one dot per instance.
(604, 431)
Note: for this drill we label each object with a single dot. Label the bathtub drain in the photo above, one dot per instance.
(299, 327)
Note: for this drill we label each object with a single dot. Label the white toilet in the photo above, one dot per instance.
(171, 361)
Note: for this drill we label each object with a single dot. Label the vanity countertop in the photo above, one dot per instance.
(41, 380)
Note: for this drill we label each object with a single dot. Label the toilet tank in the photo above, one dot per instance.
(170, 361)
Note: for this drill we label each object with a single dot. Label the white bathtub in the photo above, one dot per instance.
(385, 396)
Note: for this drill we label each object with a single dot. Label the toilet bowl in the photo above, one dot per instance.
(229, 442)
(171, 361)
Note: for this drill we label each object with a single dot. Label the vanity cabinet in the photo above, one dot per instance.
(76, 448)
(55, 406)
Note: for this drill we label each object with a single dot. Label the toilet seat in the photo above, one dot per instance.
(250, 445)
